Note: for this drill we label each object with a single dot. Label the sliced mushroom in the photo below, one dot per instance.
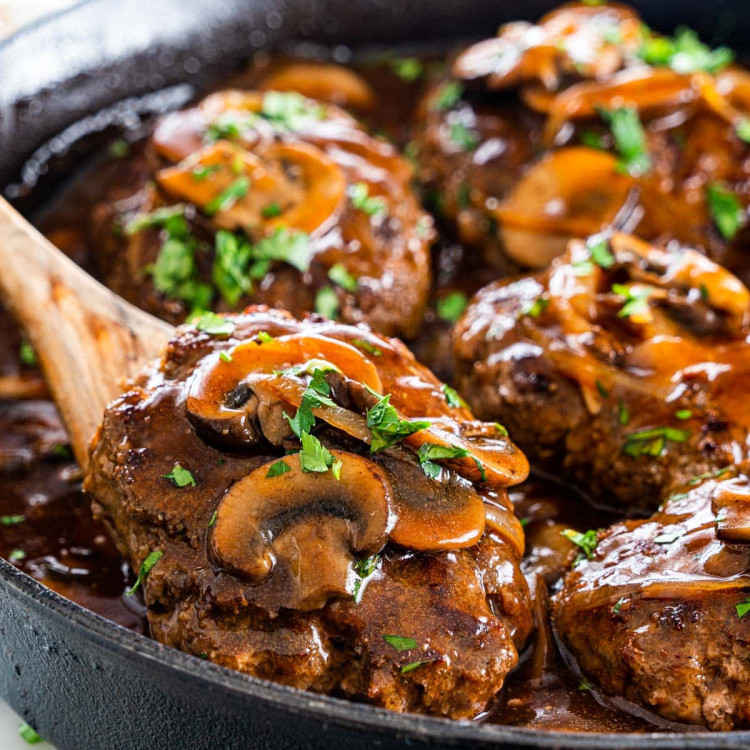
(227, 396)
(433, 514)
(296, 534)
(730, 502)
(573, 192)
(322, 81)
(305, 187)
(498, 511)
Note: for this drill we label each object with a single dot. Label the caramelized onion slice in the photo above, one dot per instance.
(325, 82)
(572, 192)
(297, 532)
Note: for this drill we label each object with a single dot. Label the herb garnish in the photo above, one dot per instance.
(535, 308)
(408, 69)
(277, 469)
(225, 357)
(685, 53)
(460, 135)
(180, 477)
(428, 453)
(630, 139)
(212, 520)
(289, 110)
(666, 538)
(452, 397)
(365, 570)
(29, 734)
(17, 555)
(742, 128)
(213, 324)
(586, 541)
(27, 355)
(399, 642)
(338, 274)
(11, 520)
(146, 566)
(202, 172)
(229, 272)
(386, 427)
(450, 307)
(725, 209)
(119, 149)
(618, 606)
(316, 458)
(289, 246)
(652, 442)
(228, 197)
(743, 608)
(368, 347)
(327, 303)
(447, 96)
(359, 195)
(623, 415)
(636, 297)
(412, 665)
(271, 211)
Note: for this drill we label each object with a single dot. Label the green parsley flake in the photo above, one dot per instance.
(169, 218)
(180, 477)
(653, 442)
(600, 253)
(226, 127)
(339, 275)
(212, 520)
(264, 337)
(725, 209)
(685, 53)
(359, 195)
(327, 303)
(286, 245)
(271, 211)
(618, 606)
(603, 392)
(288, 110)
(316, 458)
(29, 735)
(202, 172)
(11, 520)
(412, 665)
(462, 136)
(450, 307)
(365, 570)
(535, 308)
(743, 608)
(636, 299)
(452, 398)
(230, 268)
(429, 453)
(146, 567)
(27, 355)
(408, 69)
(586, 541)
(593, 140)
(447, 96)
(386, 427)
(623, 415)
(17, 555)
(630, 139)
(277, 469)
(584, 685)
(698, 478)
(399, 642)
(228, 197)
(742, 128)
(213, 324)
(683, 414)
(368, 347)
(119, 149)
(225, 357)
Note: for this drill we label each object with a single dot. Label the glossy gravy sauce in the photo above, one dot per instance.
(47, 530)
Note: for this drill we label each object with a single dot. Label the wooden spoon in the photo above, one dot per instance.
(88, 340)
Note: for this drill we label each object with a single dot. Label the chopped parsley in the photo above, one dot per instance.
(725, 210)
(213, 324)
(447, 96)
(228, 197)
(623, 415)
(146, 567)
(368, 347)
(180, 477)
(277, 469)
(316, 458)
(11, 520)
(412, 665)
(743, 608)
(119, 149)
(603, 392)
(698, 478)
(288, 110)
(225, 357)
(585, 541)
(429, 453)
(450, 307)
(229, 272)
(201, 172)
(359, 194)
(618, 606)
(685, 53)
(683, 414)
(408, 69)
(271, 211)
(212, 520)
(29, 735)
(286, 245)
(600, 253)
(652, 442)
(535, 308)
(225, 127)
(170, 218)
(462, 136)
(593, 140)
(386, 427)
(629, 138)
(339, 275)
(742, 128)
(17, 555)
(327, 303)
(264, 337)
(666, 538)
(584, 685)
(365, 570)
(452, 398)
(399, 642)
(636, 299)
(27, 355)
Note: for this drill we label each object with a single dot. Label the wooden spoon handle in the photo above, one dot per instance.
(88, 340)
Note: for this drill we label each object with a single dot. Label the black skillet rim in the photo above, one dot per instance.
(120, 640)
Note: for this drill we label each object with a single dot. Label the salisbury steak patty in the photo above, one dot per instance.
(658, 614)
(622, 366)
(308, 504)
(266, 197)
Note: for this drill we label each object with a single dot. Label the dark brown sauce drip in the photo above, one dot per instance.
(68, 551)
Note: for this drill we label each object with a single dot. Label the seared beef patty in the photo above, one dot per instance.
(235, 473)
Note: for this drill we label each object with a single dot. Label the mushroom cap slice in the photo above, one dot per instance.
(730, 501)
(325, 82)
(296, 534)
(223, 393)
(573, 192)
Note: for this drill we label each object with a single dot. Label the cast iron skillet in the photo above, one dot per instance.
(86, 683)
